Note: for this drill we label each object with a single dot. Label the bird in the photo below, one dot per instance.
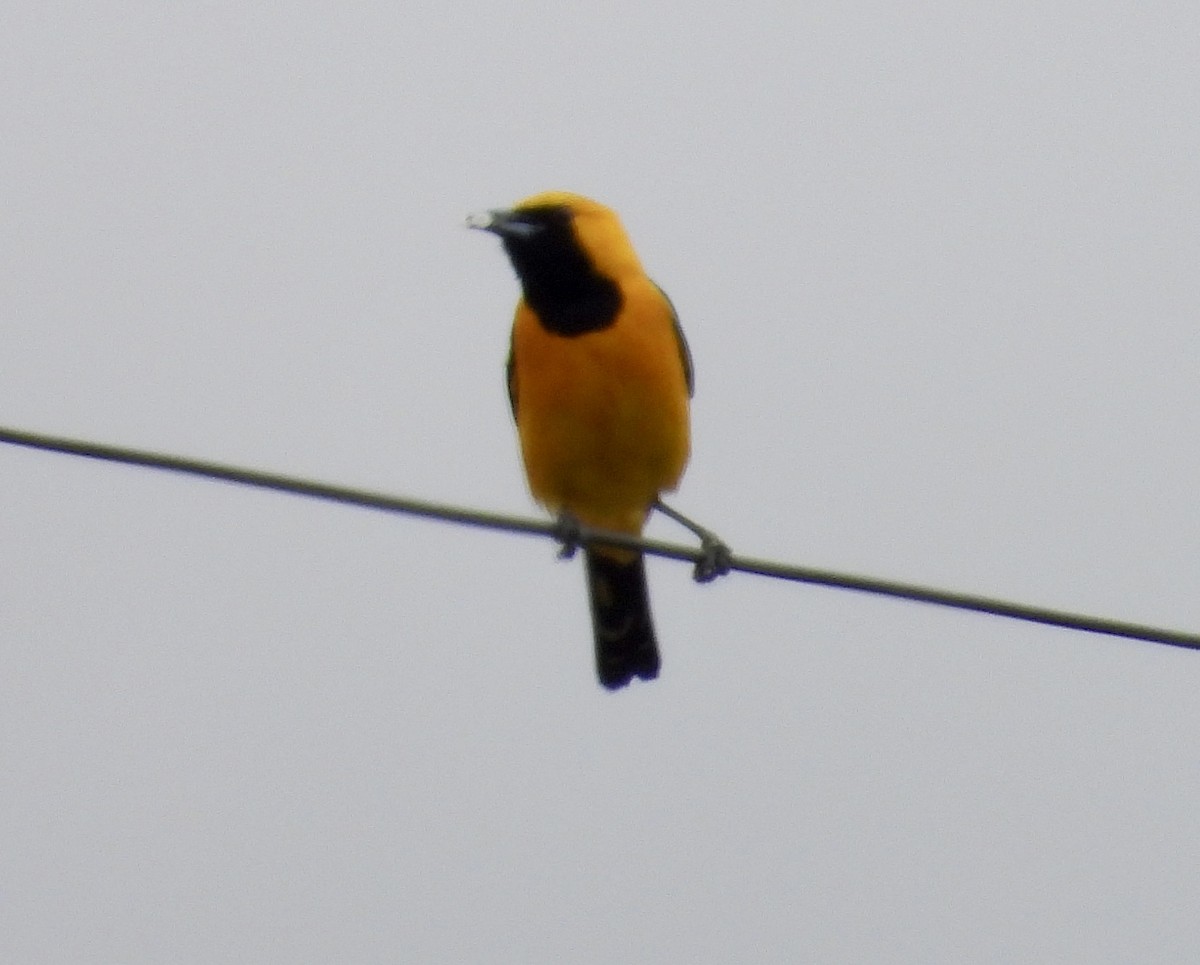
(600, 381)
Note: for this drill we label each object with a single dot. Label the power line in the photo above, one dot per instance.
(515, 524)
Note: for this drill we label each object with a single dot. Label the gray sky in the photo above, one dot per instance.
(938, 266)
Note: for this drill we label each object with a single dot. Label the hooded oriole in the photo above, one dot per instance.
(599, 378)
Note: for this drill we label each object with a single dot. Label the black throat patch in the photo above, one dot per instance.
(560, 283)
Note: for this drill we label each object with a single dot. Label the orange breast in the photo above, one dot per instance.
(603, 417)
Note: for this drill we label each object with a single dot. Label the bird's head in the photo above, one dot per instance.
(560, 229)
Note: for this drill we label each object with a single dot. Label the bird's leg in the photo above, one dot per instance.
(569, 534)
(716, 558)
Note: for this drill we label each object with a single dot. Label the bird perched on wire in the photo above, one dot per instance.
(599, 378)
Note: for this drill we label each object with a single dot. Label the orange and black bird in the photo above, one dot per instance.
(599, 378)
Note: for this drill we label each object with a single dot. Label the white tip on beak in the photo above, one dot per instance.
(483, 220)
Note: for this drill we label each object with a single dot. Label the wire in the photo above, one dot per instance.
(515, 524)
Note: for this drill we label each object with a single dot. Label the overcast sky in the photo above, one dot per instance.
(938, 264)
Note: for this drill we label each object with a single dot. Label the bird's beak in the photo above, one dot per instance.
(502, 222)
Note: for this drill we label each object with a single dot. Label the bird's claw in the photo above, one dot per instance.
(716, 559)
(569, 534)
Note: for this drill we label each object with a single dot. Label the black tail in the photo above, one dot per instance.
(625, 644)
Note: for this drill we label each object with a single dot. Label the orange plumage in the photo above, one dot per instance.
(600, 380)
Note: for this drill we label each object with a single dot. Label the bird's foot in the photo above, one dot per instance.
(569, 534)
(716, 558)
